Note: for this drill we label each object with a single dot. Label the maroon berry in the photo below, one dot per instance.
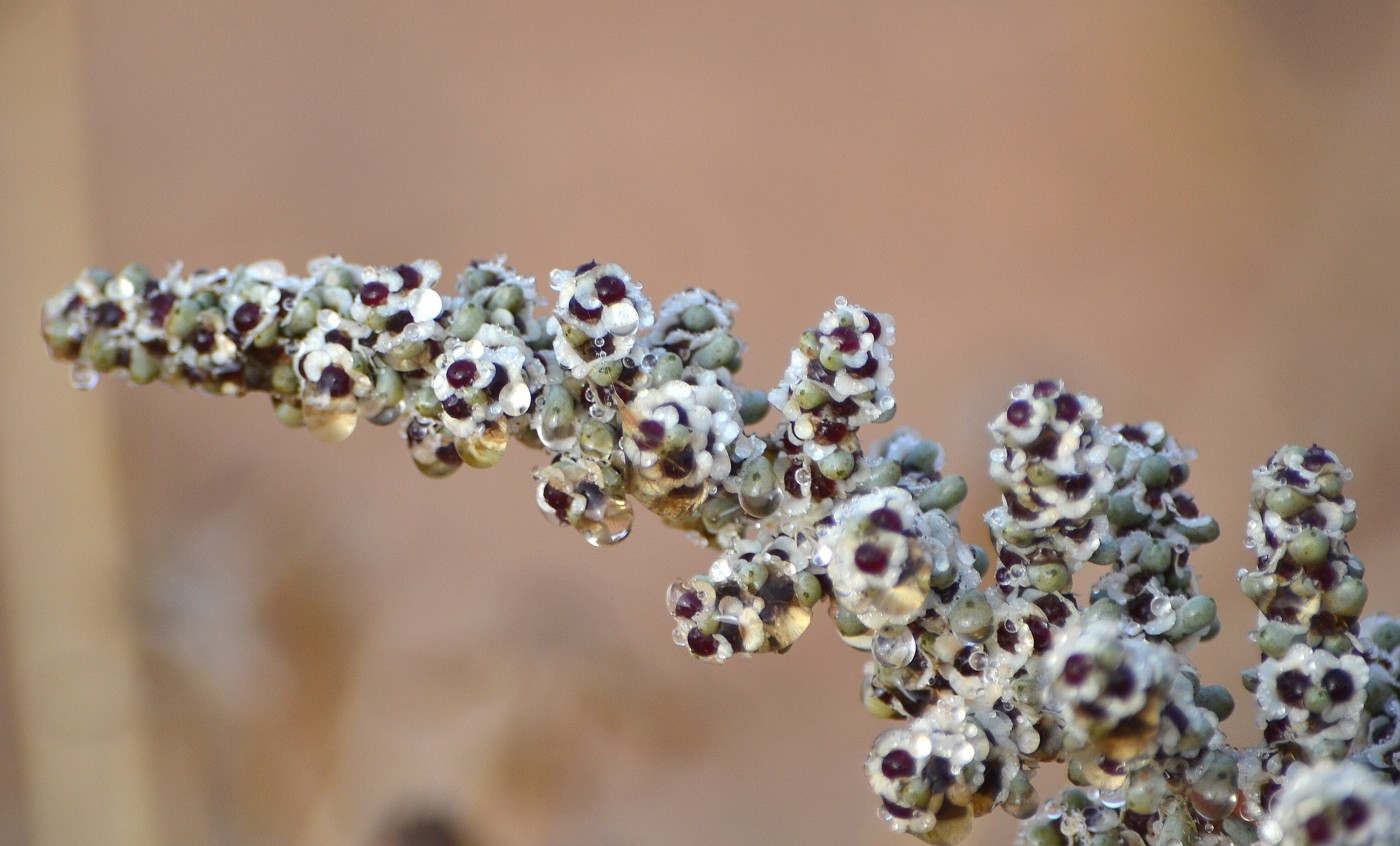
(108, 315)
(701, 644)
(1186, 506)
(448, 454)
(1353, 813)
(871, 559)
(461, 373)
(1319, 828)
(159, 307)
(410, 276)
(585, 267)
(1121, 683)
(1018, 413)
(558, 501)
(887, 519)
(398, 321)
(650, 433)
(875, 329)
(1077, 668)
(1044, 388)
(202, 339)
(1006, 638)
(678, 464)
(610, 289)
(246, 317)
(688, 604)
(897, 811)
(1066, 407)
(1316, 458)
(830, 432)
(790, 481)
(1338, 684)
(584, 313)
(844, 408)
(866, 370)
(1291, 685)
(847, 339)
(1040, 634)
(334, 381)
(898, 764)
(374, 293)
(455, 406)
(1077, 485)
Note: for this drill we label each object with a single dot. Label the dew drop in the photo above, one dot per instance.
(515, 399)
(84, 375)
(424, 304)
(606, 520)
(331, 424)
(621, 318)
(893, 647)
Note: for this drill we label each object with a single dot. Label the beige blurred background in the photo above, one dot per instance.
(220, 631)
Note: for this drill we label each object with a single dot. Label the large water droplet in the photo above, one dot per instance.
(606, 519)
(621, 318)
(893, 646)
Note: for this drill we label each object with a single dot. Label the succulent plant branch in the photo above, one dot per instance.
(986, 684)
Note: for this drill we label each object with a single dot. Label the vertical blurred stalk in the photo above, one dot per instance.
(69, 651)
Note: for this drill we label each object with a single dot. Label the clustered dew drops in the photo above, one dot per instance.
(982, 684)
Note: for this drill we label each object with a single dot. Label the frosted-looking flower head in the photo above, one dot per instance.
(677, 436)
(838, 378)
(597, 316)
(879, 565)
(1311, 695)
(1110, 688)
(1333, 804)
(494, 375)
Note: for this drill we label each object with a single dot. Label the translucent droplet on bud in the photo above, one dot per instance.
(606, 520)
(893, 646)
(329, 419)
(84, 375)
(515, 399)
(621, 318)
(758, 490)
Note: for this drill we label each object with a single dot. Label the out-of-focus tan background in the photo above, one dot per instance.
(220, 631)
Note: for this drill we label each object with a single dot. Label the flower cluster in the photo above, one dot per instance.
(986, 683)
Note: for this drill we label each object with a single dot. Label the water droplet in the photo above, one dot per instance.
(386, 415)
(1161, 606)
(515, 399)
(606, 520)
(621, 318)
(893, 647)
(329, 423)
(424, 304)
(84, 375)
(414, 332)
(841, 302)
(1113, 799)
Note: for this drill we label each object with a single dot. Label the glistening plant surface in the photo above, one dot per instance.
(631, 402)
